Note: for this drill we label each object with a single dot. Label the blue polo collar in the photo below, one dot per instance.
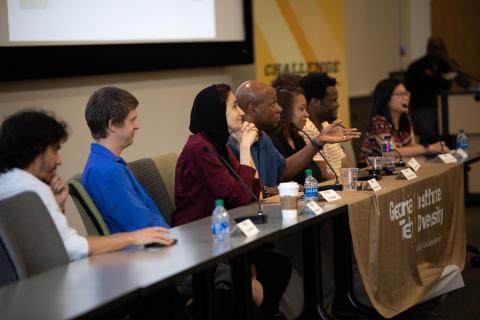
(104, 152)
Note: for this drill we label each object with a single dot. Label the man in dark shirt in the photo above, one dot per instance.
(425, 78)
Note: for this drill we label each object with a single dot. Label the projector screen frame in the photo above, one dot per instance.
(37, 62)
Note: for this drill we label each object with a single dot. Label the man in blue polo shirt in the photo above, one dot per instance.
(259, 102)
(111, 115)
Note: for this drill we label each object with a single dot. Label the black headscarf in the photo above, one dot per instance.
(209, 116)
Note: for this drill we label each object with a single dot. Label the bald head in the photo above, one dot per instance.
(252, 91)
(259, 102)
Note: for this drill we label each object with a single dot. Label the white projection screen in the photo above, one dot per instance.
(49, 38)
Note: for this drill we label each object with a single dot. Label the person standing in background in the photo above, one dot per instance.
(425, 78)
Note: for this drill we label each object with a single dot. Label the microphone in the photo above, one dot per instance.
(256, 218)
(425, 123)
(400, 163)
(337, 185)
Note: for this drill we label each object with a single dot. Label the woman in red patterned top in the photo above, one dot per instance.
(390, 117)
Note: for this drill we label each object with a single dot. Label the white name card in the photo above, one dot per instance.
(447, 158)
(374, 184)
(312, 205)
(408, 174)
(247, 228)
(462, 154)
(330, 195)
(413, 163)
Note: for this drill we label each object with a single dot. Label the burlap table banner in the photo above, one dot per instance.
(405, 234)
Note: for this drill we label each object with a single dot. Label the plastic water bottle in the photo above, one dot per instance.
(220, 222)
(462, 140)
(310, 187)
(388, 154)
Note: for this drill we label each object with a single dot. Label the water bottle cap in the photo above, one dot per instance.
(218, 202)
(461, 130)
(308, 172)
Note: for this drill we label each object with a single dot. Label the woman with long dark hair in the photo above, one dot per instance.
(391, 102)
(286, 138)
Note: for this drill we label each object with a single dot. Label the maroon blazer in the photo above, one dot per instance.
(201, 178)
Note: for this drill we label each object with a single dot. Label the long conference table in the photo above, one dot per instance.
(402, 236)
(100, 285)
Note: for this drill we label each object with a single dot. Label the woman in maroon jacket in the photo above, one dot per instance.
(201, 177)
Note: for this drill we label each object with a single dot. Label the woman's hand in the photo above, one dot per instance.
(247, 134)
(335, 133)
(438, 147)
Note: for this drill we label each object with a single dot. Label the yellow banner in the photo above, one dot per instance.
(301, 36)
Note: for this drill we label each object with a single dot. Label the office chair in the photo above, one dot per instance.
(29, 237)
(166, 164)
(475, 260)
(7, 269)
(350, 153)
(91, 217)
(149, 176)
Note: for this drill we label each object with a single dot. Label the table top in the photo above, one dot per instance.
(81, 287)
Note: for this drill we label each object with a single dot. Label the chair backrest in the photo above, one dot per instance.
(91, 217)
(29, 235)
(167, 164)
(7, 269)
(148, 175)
(350, 153)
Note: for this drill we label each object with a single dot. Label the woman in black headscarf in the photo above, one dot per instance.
(201, 177)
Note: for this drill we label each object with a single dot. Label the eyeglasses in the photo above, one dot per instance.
(401, 94)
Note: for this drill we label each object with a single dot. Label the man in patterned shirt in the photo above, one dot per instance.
(322, 106)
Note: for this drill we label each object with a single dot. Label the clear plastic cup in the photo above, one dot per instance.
(349, 178)
(377, 164)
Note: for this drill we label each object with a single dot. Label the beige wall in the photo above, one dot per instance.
(371, 39)
(165, 101)
(166, 96)
(375, 29)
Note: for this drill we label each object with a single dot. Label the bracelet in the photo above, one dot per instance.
(317, 145)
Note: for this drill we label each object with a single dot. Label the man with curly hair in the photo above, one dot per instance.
(30, 141)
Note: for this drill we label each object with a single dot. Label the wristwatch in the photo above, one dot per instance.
(427, 149)
(316, 145)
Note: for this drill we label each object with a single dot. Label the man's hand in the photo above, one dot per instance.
(151, 235)
(60, 191)
(257, 288)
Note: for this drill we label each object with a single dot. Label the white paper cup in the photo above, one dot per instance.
(288, 192)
